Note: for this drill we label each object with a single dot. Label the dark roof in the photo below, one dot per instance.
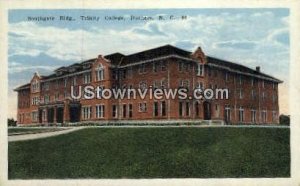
(154, 53)
(26, 86)
(118, 59)
(115, 58)
(235, 66)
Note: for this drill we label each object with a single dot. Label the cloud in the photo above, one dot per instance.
(280, 36)
(152, 29)
(244, 45)
(185, 44)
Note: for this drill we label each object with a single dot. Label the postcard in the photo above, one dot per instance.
(144, 93)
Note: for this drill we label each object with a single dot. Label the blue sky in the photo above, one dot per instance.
(253, 37)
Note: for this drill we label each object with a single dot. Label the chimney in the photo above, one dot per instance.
(258, 68)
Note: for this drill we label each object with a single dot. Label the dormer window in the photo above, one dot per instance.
(58, 73)
(200, 70)
(35, 86)
(100, 73)
(73, 69)
(86, 66)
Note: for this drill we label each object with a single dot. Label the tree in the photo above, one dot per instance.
(284, 119)
(11, 122)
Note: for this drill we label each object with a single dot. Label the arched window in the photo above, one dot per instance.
(100, 72)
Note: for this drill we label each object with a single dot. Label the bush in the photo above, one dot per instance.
(11, 122)
(284, 119)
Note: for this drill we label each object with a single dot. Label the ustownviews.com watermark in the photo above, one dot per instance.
(98, 92)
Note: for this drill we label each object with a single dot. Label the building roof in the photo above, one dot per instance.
(154, 53)
(238, 67)
(26, 86)
(119, 60)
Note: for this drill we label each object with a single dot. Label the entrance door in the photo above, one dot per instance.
(40, 116)
(207, 110)
(74, 113)
(50, 115)
(59, 114)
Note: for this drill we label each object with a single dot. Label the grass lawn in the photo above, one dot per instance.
(154, 153)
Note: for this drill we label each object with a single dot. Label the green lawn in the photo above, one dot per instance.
(154, 153)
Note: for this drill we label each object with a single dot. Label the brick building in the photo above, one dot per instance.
(253, 95)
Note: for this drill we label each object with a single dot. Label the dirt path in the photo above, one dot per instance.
(41, 135)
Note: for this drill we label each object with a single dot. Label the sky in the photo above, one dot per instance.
(252, 37)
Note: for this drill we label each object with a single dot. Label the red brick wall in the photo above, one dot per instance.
(212, 76)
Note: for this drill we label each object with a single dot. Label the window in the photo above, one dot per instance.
(56, 84)
(163, 66)
(226, 76)
(142, 68)
(264, 116)
(155, 109)
(241, 93)
(240, 79)
(217, 113)
(46, 99)
(35, 86)
(274, 98)
(56, 96)
(180, 66)
(142, 107)
(35, 101)
(252, 82)
(99, 73)
(66, 94)
(216, 73)
(114, 111)
(263, 84)
(142, 85)
(34, 116)
(155, 84)
(124, 110)
(209, 72)
(130, 72)
(46, 86)
(263, 95)
(86, 112)
(74, 81)
(87, 78)
(163, 108)
(163, 84)
(130, 110)
(227, 114)
(180, 108)
(114, 74)
(253, 94)
(274, 86)
(200, 70)
(187, 108)
(274, 116)
(184, 84)
(155, 67)
(241, 114)
(124, 73)
(199, 85)
(100, 110)
(253, 116)
(65, 82)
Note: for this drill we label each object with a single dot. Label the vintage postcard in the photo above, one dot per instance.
(144, 93)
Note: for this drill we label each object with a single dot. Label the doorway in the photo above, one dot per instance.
(207, 110)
